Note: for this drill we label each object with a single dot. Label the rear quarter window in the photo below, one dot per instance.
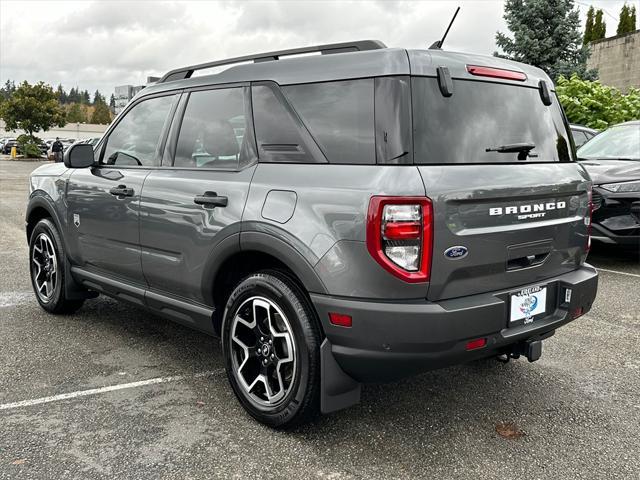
(340, 116)
(481, 115)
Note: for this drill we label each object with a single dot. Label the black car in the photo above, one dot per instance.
(581, 134)
(613, 161)
(6, 148)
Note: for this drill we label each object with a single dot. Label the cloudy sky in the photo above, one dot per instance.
(100, 44)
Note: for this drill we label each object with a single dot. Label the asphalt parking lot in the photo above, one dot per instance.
(149, 399)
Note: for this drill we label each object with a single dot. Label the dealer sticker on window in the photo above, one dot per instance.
(528, 303)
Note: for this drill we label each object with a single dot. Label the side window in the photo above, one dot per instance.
(340, 117)
(214, 132)
(279, 137)
(134, 140)
(579, 137)
(394, 144)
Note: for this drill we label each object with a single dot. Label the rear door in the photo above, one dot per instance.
(196, 200)
(103, 201)
(504, 217)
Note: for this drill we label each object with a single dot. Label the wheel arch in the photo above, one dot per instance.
(241, 254)
(41, 206)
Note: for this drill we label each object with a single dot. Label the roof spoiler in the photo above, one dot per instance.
(357, 46)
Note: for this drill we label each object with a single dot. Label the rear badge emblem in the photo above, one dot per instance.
(456, 253)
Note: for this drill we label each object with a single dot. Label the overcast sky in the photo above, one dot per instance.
(101, 44)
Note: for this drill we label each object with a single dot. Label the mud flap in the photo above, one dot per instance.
(337, 389)
(72, 290)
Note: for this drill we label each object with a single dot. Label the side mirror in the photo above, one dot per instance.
(79, 155)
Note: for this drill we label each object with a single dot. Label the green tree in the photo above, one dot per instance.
(101, 113)
(32, 108)
(98, 97)
(596, 105)
(627, 21)
(76, 114)
(588, 26)
(7, 90)
(112, 103)
(62, 95)
(599, 26)
(545, 34)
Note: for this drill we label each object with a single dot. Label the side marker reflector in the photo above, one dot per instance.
(340, 320)
(475, 344)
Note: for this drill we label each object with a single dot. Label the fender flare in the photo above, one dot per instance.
(263, 242)
(300, 260)
(40, 199)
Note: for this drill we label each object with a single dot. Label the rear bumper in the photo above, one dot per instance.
(392, 340)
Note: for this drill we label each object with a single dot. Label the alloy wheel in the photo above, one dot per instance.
(263, 351)
(44, 267)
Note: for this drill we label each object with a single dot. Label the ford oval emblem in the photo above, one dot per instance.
(457, 252)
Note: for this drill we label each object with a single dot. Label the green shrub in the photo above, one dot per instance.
(28, 146)
(596, 105)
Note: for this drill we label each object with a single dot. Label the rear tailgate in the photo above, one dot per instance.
(519, 224)
(497, 160)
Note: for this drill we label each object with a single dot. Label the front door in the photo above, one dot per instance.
(104, 200)
(197, 199)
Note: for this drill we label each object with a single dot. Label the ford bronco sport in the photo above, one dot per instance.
(355, 216)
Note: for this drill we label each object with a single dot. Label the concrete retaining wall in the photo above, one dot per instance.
(617, 60)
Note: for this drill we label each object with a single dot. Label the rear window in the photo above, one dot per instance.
(482, 115)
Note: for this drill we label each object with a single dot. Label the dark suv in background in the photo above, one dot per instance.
(356, 216)
(612, 159)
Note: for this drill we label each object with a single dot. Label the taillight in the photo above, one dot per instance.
(400, 234)
(496, 73)
(588, 217)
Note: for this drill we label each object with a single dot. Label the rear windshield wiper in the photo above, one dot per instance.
(522, 149)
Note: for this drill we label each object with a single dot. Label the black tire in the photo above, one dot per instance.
(300, 402)
(52, 300)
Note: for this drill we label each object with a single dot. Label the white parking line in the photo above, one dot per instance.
(618, 272)
(96, 391)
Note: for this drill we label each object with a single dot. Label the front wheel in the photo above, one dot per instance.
(271, 343)
(46, 261)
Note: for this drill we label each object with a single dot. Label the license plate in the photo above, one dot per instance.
(528, 303)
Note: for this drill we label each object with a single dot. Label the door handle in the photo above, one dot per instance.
(121, 191)
(211, 200)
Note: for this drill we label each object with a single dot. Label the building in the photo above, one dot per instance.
(124, 93)
(617, 60)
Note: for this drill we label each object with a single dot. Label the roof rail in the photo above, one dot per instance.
(361, 45)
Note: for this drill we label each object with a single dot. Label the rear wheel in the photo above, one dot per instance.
(46, 261)
(271, 343)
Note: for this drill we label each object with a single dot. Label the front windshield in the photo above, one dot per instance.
(622, 141)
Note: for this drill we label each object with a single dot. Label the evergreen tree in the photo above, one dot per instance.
(98, 97)
(62, 95)
(599, 26)
(73, 95)
(627, 21)
(545, 34)
(588, 27)
(112, 103)
(76, 114)
(8, 89)
(85, 98)
(101, 113)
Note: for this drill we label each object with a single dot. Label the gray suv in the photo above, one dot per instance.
(356, 216)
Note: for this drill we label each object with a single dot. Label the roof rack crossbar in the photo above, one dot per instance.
(186, 72)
